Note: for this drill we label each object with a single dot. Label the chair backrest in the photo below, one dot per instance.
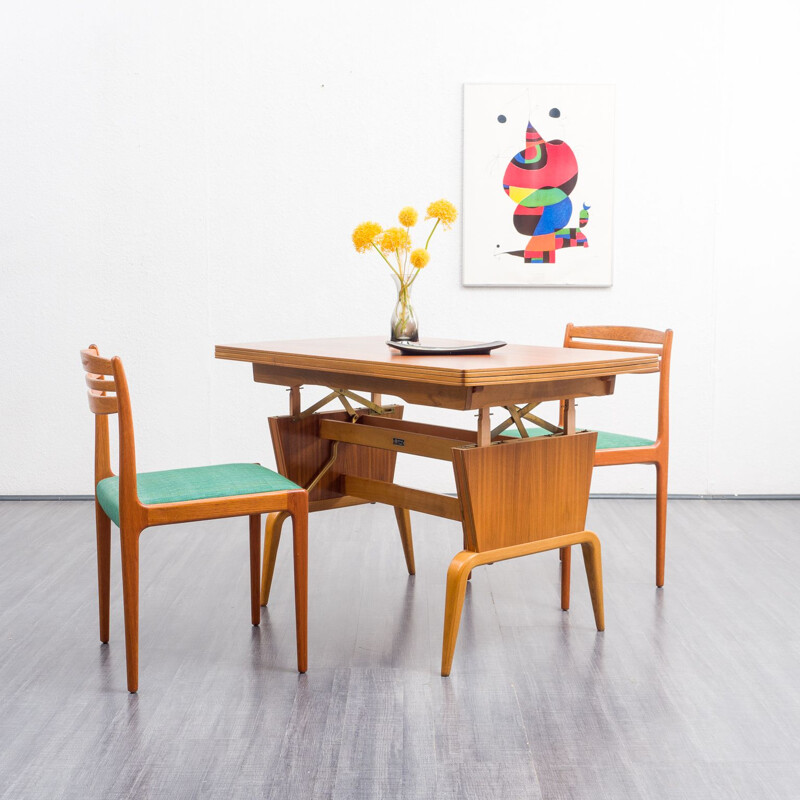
(632, 340)
(108, 394)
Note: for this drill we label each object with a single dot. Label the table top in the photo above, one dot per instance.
(372, 357)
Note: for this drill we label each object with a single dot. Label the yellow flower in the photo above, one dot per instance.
(395, 239)
(364, 235)
(408, 217)
(444, 211)
(419, 258)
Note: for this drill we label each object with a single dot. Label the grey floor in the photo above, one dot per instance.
(692, 692)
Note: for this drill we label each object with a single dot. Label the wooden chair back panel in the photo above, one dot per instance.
(616, 333)
(94, 364)
(108, 394)
(626, 348)
(97, 369)
(100, 383)
(100, 404)
(540, 492)
(642, 340)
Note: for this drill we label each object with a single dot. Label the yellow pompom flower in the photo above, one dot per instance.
(364, 236)
(395, 239)
(443, 211)
(408, 216)
(419, 258)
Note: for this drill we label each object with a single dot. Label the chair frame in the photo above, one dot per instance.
(108, 394)
(633, 340)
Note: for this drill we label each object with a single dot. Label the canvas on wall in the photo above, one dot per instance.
(538, 185)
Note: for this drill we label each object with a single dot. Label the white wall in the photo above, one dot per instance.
(176, 175)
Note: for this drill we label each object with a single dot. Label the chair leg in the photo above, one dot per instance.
(300, 535)
(457, 575)
(661, 521)
(566, 562)
(594, 574)
(404, 524)
(103, 526)
(255, 568)
(129, 539)
(272, 538)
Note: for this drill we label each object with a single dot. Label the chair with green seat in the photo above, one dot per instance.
(138, 501)
(619, 448)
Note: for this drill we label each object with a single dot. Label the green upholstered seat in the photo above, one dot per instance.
(194, 483)
(605, 440)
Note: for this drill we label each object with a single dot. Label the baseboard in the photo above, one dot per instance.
(46, 497)
(602, 496)
(697, 496)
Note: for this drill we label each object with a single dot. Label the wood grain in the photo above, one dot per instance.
(301, 452)
(397, 440)
(371, 357)
(442, 395)
(523, 491)
(377, 491)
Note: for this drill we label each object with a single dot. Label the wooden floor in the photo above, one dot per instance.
(692, 691)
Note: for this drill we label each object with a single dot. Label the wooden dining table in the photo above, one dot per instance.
(515, 495)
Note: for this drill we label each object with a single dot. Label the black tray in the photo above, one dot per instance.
(419, 349)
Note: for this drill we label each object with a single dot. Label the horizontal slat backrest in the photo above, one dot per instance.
(618, 333)
(108, 394)
(94, 364)
(97, 369)
(610, 337)
(631, 340)
(625, 348)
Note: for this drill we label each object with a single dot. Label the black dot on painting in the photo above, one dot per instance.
(554, 112)
(501, 118)
(497, 245)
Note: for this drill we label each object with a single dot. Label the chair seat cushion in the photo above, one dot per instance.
(194, 483)
(605, 440)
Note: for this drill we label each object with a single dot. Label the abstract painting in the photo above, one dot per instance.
(538, 185)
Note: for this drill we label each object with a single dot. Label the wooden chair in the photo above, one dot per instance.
(138, 501)
(617, 448)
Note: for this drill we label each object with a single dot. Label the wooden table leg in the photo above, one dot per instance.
(519, 498)
(465, 561)
(404, 525)
(568, 423)
(272, 538)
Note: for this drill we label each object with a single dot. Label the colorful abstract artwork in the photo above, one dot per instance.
(538, 161)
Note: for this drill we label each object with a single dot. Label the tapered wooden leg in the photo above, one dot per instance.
(457, 575)
(272, 538)
(129, 539)
(103, 525)
(594, 575)
(255, 568)
(661, 521)
(566, 563)
(404, 524)
(465, 561)
(300, 532)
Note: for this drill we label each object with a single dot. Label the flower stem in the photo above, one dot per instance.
(431, 234)
(377, 249)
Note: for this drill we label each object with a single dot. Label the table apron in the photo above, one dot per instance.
(457, 397)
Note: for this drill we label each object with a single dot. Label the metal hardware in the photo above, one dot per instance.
(343, 395)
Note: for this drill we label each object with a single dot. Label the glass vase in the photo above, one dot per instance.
(404, 321)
